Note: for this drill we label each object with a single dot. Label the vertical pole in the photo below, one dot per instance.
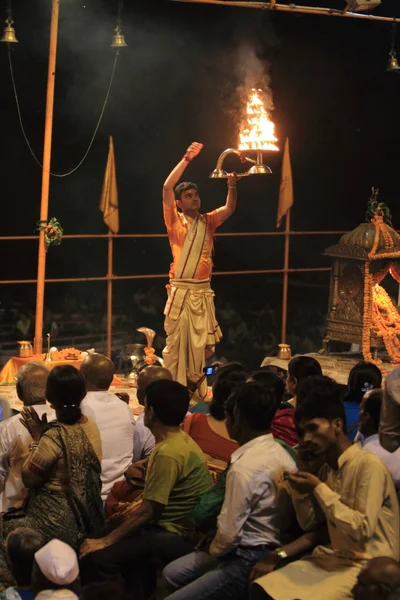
(109, 293)
(44, 202)
(285, 279)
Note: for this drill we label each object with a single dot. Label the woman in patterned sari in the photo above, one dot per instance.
(62, 471)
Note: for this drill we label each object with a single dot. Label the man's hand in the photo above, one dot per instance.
(194, 380)
(32, 422)
(194, 149)
(90, 546)
(304, 483)
(306, 461)
(265, 566)
(232, 179)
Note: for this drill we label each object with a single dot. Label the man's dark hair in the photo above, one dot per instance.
(229, 377)
(184, 187)
(372, 406)
(169, 400)
(22, 544)
(322, 403)
(320, 385)
(270, 381)
(301, 367)
(256, 404)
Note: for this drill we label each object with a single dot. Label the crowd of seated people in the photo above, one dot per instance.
(276, 487)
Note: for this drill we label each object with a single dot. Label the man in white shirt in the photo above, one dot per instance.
(251, 521)
(370, 411)
(14, 437)
(144, 441)
(113, 417)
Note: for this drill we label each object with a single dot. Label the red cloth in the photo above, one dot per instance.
(283, 427)
(196, 425)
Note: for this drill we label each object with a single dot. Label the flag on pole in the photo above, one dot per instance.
(109, 193)
(286, 187)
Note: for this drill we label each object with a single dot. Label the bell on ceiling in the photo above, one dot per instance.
(393, 65)
(118, 40)
(9, 33)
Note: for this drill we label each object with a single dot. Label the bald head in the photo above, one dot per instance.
(148, 376)
(31, 383)
(380, 579)
(98, 371)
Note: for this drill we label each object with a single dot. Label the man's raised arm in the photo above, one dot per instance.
(176, 173)
(226, 211)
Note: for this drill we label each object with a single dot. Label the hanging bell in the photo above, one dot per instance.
(9, 33)
(118, 40)
(393, 65)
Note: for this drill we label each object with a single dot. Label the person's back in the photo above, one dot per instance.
(15, 438)
(113, 418)
(370, 411)
(185, 463)
(211, 435)
(363, 377)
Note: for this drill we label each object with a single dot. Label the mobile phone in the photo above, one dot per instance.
(209, 370)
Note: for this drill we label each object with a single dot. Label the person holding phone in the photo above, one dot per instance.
(190, 323)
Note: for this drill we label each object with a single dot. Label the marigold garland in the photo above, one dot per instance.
(53, 232)
(386, 321)
(150, 355)
(367, 317)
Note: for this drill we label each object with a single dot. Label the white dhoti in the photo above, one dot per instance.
(191, 326)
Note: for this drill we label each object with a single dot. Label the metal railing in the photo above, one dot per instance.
(111, 277)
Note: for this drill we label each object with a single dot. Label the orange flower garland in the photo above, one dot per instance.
(385, 321)
(367, 320)
(149, 352)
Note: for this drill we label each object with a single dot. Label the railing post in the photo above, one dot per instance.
(109, 293)
(285, 279)
(44, 202)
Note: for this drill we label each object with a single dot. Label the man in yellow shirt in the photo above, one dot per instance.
(190, 324)
(159, 526)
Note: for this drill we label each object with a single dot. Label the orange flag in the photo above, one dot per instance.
(286, 188)
(109, 193)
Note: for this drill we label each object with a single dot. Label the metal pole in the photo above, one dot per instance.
(285, 278)
(44, 202)
(109, 293)
(293, 8)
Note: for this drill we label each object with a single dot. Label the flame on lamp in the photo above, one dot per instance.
(258, 131)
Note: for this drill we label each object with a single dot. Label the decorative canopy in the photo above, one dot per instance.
(360, 242)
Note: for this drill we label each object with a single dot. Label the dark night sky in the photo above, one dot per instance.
(177, 82)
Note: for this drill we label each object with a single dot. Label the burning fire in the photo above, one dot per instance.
(258, 133)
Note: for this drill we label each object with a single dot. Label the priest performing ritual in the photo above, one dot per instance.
(190, 324)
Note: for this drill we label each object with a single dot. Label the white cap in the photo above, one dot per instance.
(58, 562)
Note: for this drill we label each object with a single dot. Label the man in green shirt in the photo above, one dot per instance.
(159, 527)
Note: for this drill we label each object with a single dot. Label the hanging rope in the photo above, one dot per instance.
(95, 131)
